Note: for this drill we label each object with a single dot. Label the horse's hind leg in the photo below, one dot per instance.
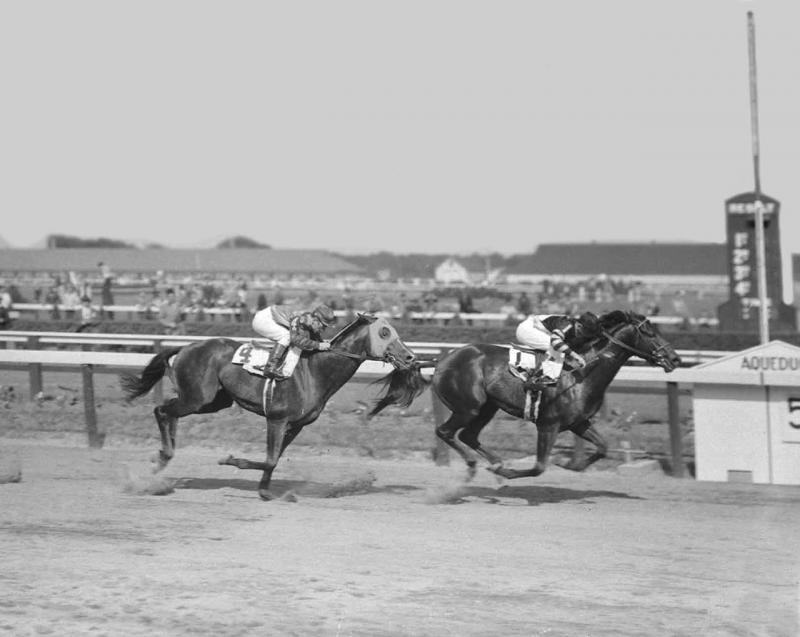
(448, 432)
(167, 415)
(167, 424)
(469, 434)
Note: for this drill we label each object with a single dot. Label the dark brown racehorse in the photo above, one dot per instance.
(206, 381)
(474, 382)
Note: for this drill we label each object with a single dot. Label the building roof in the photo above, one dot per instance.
(635, 259)
(251, 260)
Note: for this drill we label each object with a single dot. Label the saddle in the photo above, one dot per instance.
(253, 357)
(523, 361)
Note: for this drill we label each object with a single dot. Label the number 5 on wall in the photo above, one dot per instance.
(794, 407)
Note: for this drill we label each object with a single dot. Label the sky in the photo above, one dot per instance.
(416, 126)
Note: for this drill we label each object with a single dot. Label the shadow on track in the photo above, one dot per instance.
(353, 486)
(535, 495)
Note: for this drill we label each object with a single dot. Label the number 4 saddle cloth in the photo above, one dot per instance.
(253, 357)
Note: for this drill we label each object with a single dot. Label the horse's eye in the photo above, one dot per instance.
(384, 332)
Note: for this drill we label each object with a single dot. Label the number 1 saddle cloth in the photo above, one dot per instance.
(523, 361)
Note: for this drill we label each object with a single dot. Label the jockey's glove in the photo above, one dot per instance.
(577, 359)
(324, 346)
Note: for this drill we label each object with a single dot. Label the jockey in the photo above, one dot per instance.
(547, 333)
(301, 330)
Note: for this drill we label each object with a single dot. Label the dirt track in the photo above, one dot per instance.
(590, 554)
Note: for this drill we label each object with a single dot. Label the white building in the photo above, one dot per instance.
(451, 271)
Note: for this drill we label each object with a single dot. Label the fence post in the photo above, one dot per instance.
(96, 437)
(441, 452)
(158, 389)
(675, 438)
(34, 369)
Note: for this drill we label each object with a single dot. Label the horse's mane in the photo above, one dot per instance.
(615, 318)
(609, 321)
(359, 320)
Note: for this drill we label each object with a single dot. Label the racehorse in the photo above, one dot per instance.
(474, 381)
(206, 381)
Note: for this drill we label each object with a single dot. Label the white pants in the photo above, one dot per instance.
(535, 338)
(264, 324)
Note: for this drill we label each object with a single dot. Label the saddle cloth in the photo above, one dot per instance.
(252, 357)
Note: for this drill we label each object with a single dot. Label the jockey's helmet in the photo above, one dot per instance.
(324, 314)
(590, 322)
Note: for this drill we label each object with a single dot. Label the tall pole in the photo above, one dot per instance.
(761, 271)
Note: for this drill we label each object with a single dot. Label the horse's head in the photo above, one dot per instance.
(640, 337)
(375, 338)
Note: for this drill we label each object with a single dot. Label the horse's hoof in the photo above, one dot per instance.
(159, 461)
(471, 471)
(226, 460)
(265, 494)
(495, 468)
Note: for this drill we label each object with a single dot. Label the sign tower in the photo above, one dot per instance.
(755, 288)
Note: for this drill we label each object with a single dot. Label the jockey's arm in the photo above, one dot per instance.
(558, 343)
(305, 338)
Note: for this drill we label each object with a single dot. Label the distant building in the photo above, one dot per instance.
(451, 272)
(666, 265)
(229, 261)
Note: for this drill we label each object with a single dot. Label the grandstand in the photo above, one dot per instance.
(181, 262)
(686, 266)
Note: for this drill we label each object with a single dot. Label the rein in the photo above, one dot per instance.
(650, 357)
(346, 354)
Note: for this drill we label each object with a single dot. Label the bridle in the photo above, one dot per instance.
(651, 357)
(387, 357)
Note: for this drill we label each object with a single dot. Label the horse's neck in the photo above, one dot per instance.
(611, 357)
(332, 370)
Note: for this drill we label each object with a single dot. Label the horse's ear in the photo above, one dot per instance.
(613, 318)
(367, 318)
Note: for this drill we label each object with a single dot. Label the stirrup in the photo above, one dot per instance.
(276, 373)
(539, 383)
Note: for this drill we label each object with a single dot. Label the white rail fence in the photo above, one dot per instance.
(134, 312)
(39, 340)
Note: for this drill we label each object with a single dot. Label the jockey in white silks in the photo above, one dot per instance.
(293, 333)
(547, 333)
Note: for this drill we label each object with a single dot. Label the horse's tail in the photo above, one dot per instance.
(400, 387)
(134, 386)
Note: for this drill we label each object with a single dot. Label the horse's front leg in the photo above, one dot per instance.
(586, 430)
(276, 443)
(545, 440)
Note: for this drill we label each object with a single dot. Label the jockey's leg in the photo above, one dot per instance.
(552, 366)
(275, 359)
(264, 324)
(291, 358)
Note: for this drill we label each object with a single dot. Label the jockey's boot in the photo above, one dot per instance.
(272, 370)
